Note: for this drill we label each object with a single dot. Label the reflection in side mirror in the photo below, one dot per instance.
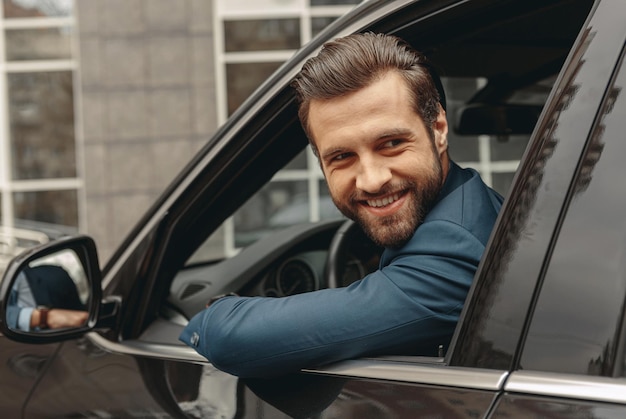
(49, 293)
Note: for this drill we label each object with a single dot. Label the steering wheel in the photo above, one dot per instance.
(350, 256)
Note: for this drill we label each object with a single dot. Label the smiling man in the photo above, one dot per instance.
(383, 166)
(375, 116)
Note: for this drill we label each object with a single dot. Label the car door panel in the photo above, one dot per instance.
(518, 406)
(374, 399)
(303, 396)
(382, 387)
(578, 319)
(83, 380)
(21, 367)
(555, 385)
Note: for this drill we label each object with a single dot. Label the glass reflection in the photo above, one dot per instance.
(50, 293)
(38, 44)
(261, 35)
(54, 212)
(527, 407)
(577, 321)
(41, 114)
(37, 8)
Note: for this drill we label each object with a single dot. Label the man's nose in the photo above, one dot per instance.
(372, 176)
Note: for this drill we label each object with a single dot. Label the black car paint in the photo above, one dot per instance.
(514, 263)
(77, 378)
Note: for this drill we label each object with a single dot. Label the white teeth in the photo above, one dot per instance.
(382, 202)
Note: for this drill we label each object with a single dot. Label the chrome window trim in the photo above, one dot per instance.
(135, 347)
(405, 369)
(602, 389)
(412, 372)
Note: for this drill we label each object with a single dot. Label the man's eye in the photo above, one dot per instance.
(340, 157)
(392, 143)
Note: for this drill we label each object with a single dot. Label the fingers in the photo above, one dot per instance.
(59, 318)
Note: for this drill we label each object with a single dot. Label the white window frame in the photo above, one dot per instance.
(295, 10)
(9, 186)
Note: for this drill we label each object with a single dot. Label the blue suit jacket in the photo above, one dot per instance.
(410, 305)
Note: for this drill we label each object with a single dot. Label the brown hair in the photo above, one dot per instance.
(351, 63)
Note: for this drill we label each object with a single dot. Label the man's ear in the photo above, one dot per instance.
(440, 130)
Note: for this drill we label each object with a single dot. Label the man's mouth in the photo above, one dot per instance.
(383, 202)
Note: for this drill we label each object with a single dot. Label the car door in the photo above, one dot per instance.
(572, 360)
(514, 263)
(21, 368)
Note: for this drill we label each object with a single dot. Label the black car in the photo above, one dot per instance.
(543, 332)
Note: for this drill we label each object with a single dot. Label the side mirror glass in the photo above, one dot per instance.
(53, 293)
(49, 293)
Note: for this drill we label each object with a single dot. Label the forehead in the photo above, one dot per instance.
(383, 106)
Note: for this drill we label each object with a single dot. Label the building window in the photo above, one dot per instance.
(39, 183)
(254, 40)
(243, 78)
(20, 9)
(41, 121)
(261, 35)
(333, 2)
(38, 44)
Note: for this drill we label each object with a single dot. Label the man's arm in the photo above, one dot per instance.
(20, 307)
(410, 306)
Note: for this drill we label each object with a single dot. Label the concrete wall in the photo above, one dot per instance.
(147, 95)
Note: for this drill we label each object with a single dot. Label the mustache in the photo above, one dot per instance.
(358, 196)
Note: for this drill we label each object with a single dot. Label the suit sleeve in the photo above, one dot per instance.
(13, 311)
(411, 306)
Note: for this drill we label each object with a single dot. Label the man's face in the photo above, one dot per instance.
(382, 167)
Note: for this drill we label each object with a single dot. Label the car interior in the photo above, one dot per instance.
(512, 55)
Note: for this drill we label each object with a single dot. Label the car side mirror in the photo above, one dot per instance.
(52, 292)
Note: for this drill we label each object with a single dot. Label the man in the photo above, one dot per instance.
(376, 119)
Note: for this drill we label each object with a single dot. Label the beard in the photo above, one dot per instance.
(395, 230)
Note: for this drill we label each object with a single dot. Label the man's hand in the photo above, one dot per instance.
(58, 318)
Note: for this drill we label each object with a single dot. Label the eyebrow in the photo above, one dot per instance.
(383, 135)
(394, 132)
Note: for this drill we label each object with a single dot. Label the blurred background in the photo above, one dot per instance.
(104, 102)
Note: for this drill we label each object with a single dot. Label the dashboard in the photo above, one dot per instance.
(288, 262)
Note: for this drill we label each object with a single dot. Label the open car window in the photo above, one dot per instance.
(255, 253)
(298, 193)
(497, 76)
